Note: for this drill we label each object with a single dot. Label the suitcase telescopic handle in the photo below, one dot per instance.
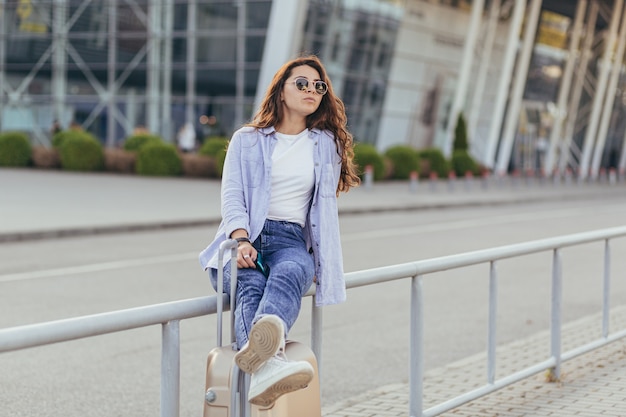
(225, 245)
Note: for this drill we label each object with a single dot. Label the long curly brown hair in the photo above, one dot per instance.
(330, 115)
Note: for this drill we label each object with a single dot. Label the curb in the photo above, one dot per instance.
(348, 211)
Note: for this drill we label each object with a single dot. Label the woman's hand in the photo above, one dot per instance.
(246, 255)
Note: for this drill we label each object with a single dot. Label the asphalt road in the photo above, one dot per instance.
(365, 339)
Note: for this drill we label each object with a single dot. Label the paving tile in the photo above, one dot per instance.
(592, 384)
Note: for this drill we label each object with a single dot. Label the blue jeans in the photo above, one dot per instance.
(283, 248)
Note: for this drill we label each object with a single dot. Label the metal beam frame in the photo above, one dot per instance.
(167, 130)
(111, 72)
(505, 79)
(464, 73)
(154, 66)
(59, 58)
(598, 99)
(565, 87)
(521, 74)
(3, 41)
(190, 96)
(240, 76)
(481, 78)
(574, 112)
(609, 100)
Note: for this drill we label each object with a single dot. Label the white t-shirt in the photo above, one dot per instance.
(293, 177)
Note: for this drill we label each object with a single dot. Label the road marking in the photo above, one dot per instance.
(468, 223)
(105, 266)
(345, 238)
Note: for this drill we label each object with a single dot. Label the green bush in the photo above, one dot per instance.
(61, 136)
(158, 159)
(15, 149)
(404, 160)
(136, 142)
(462, 162)
(432, 160)
(460, 134)
(215, 147)
(81, 151)
(366, 154)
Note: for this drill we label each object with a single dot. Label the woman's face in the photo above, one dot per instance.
(306, 101)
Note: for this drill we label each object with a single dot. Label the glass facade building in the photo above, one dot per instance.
(398, 65)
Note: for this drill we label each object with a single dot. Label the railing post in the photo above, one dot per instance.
(170, 369)
(606, 290)
(416, 354)
(493, 316)
(555, 328)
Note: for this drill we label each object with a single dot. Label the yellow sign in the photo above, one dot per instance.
(29, 21)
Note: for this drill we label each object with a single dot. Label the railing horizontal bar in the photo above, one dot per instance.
(407, 270)
(489, 388)
(570, 354)
(31, 335)
(80, 327)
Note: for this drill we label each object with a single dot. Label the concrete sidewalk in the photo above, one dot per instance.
(592, 384)
(51, 204)
(40, 204)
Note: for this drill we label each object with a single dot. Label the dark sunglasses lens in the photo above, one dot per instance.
(302, 84)
(321, 87)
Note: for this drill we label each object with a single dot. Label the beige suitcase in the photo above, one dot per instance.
(227, 387)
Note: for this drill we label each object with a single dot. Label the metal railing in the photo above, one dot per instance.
(169, 315)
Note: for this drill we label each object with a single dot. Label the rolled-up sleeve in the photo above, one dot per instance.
(234, 213)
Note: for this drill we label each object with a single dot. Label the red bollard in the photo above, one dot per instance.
(413, 181)
(612, 176)
(433, 179)
(451, 180)
(469, 179)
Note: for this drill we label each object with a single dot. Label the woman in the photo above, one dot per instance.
(282, 175)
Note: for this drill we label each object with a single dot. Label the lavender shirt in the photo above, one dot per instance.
(246, 183)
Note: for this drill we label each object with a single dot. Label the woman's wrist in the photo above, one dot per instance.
(243, 239)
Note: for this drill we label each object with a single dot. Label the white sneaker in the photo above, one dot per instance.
(276, 377)
(266, 338)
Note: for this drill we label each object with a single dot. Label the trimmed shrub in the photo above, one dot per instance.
(215, 147)
(119, 160)
(81, 151)
(198, 165)
(432, 160)
(134, 143)
(15, 149)
(366, 154)
(460, 134)
(47, 158)
(158, 159)
(462, 162)
(404, 160)
(59, 138)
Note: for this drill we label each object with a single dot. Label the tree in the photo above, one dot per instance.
(460, 134)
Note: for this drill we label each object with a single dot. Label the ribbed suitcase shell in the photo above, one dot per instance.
(301, 403)
(219, 377)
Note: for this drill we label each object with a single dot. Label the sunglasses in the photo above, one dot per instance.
(302, 84)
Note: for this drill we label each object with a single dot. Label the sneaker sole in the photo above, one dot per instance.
(288, 384)
(263, 343)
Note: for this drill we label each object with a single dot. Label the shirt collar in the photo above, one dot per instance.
(270, 130)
